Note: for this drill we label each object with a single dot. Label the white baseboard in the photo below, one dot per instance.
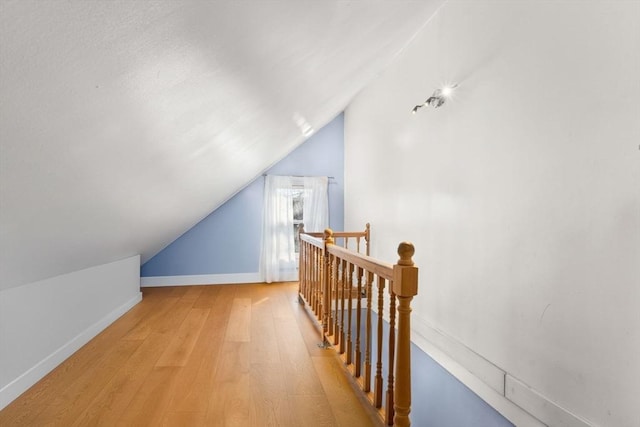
(516, 401)
(18, 386)
(203, 279)
(545, 410)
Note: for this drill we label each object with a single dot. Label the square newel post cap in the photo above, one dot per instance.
(405, 274)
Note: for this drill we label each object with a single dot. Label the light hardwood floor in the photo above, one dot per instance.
(229, 355)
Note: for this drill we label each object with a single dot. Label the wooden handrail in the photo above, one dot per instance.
(314, 240)
(344, 235)
(379, 268)
(331, 278)
(336, 234)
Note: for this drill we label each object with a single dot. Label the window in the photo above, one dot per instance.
(288, 203)
(298, 214)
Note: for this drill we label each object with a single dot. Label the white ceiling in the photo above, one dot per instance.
(123, 123)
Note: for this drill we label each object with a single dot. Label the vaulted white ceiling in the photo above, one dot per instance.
(123, 123)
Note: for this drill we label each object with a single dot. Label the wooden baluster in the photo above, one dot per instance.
(308, 268)
(310, 275)
(329, 292)
(392, 345)
(327, 298)
(358, 354)
(378, 379)
(336, 288)
(358, 244)
(350, 314)
(326, 260)
(301, 272)
(405, 286)
(309, 284)
(318, 288)
(326, 284)
(367, 235)
(301, 283)
(342, 304)
(319, 282)
(309, 291)
(367, 347)
(316, 282)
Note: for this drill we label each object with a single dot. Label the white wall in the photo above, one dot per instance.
(522, 196)
(44, 322)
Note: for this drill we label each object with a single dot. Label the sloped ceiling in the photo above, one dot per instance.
(123, 123)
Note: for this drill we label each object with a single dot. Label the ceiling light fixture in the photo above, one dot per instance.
(305, 127)
(438, 98)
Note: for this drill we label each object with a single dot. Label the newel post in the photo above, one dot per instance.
(302, 267)
(405, 286)
(326, 279)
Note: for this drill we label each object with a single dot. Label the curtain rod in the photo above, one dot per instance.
(298, 176)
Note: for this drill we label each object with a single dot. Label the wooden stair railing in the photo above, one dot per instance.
(331, 278)
(343, 238)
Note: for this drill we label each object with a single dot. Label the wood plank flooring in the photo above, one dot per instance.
(227, 355)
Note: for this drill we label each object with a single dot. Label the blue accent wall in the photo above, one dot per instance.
(212, 245)
(438, 399)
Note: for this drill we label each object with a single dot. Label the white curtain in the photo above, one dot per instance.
(278, 262)
(278, 257)
(316, 203)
